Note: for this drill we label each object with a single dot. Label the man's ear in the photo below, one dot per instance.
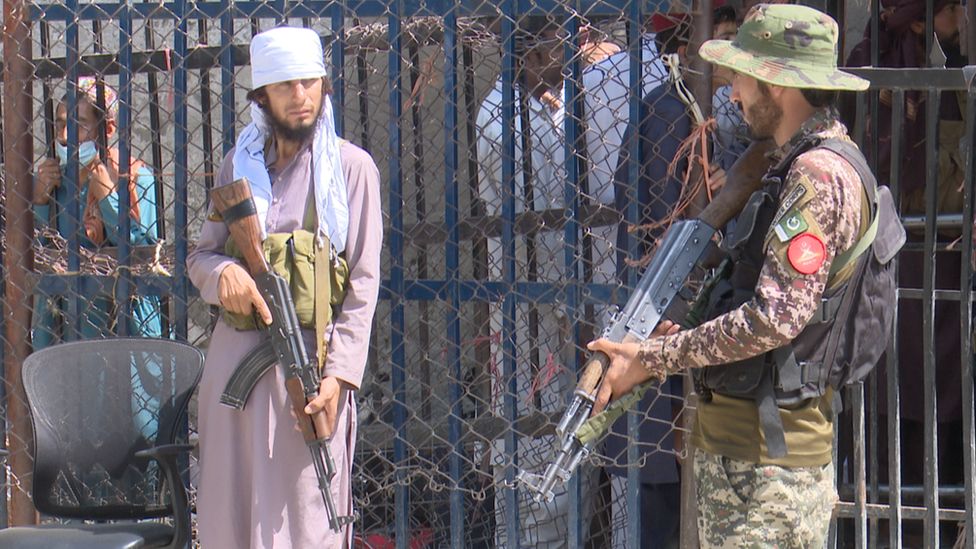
(918, 27)
(683, 54)
(776, 92)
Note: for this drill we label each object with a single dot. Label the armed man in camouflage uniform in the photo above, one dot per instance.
(752, 490)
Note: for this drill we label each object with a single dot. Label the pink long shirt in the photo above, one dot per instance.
(290, 187)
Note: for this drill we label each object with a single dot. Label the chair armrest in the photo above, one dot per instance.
(158, 452)
(166, 455)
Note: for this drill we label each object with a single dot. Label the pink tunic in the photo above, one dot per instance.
(257, 487)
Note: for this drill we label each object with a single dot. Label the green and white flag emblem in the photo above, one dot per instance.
(790, 226)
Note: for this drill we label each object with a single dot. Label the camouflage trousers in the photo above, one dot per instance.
(742, 504)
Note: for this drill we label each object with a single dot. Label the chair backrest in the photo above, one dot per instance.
(93, 405)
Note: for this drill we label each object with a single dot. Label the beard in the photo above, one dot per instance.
(764, 116)
(950, 41)
(298, 133)
(953, 51)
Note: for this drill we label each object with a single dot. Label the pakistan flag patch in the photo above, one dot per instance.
(790, 226)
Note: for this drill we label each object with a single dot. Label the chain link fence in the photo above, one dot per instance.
(184, 87)
(525, 182)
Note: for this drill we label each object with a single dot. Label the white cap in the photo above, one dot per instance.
(285, 53)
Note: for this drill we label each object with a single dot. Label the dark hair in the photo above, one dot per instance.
(260, 93)
(255, 94)
(529, 31)
(819, 98)
(724, 14)
(669, 40)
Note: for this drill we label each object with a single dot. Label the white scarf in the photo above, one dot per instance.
(331, 201)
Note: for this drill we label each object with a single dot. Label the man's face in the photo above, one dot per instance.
(293, 107)
(946, 24)
(87, 122)
(726, 30)
(545, 59)
(759, 110)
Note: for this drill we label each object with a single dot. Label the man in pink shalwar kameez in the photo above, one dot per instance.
(257, 487)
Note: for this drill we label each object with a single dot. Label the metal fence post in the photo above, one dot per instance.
(18, 182)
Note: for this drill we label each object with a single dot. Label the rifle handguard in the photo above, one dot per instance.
(592, 374)
(682, 248)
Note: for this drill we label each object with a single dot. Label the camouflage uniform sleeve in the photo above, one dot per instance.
(785, 299)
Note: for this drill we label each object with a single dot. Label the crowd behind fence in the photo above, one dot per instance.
(497, 265)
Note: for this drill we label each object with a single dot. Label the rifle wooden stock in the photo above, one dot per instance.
(742, 179)
(593, 373)
(246, 229)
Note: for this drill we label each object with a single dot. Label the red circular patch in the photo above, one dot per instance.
(806, 253)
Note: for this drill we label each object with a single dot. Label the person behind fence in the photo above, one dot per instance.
(97, 186)
(542, 346)
(606, 88)
(901, 44)
(594, 47)
(258, 488)
(764, 469)
(666, 120)
(605, 85)
(731, 135)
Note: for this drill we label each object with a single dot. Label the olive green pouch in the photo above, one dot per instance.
(292, 255)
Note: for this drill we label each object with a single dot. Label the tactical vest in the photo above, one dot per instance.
(798, 371)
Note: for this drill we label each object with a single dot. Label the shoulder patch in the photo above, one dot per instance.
(789, 201)
(790, 226)
(806, 253)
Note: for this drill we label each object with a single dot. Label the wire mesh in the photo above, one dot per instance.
(199, 64)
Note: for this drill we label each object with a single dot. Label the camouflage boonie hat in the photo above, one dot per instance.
(785, 45)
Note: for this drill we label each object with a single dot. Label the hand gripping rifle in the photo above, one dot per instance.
(683, 248)
(287, 348)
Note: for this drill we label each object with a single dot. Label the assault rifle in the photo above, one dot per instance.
(284, 345)
(683, 248)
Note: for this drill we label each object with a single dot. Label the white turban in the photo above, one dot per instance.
(280, 55)
(285, 53)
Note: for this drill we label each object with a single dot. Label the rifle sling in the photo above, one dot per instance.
(241, 210)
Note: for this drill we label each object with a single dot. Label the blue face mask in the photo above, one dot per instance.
(86, 152)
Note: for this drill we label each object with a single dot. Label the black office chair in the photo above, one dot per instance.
(106, 416)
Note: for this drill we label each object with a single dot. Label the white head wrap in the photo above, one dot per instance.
(280, 55)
